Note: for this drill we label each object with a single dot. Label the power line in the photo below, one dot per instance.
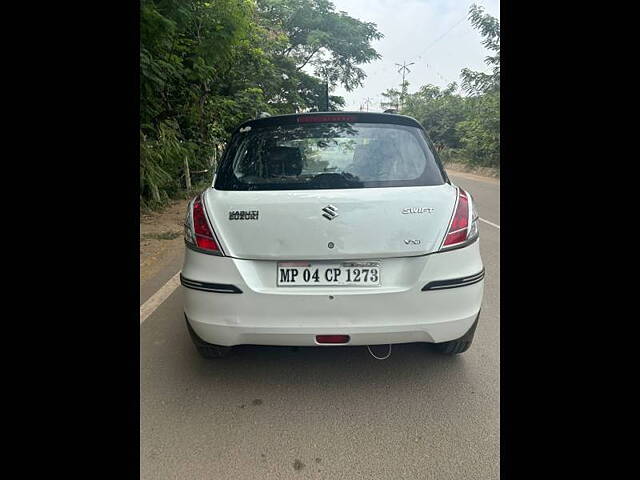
(404, 67)
(442, 77)
(442, 36)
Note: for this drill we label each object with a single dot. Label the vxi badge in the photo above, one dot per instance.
(417, 210)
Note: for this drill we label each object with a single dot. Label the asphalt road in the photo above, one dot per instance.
(332, 413)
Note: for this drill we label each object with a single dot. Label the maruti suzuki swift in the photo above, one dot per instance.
(331, 229)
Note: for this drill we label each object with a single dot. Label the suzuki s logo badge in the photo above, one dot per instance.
(330, 212)
(417, 210)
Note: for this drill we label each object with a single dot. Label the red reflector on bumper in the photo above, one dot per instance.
(332, 338)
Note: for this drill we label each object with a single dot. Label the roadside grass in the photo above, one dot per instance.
(477, 170)
(161, 236)
(457, 159)
(150, 206)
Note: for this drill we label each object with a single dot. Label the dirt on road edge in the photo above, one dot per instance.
(161, 238)
(487, 172)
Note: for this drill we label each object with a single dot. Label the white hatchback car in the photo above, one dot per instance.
(333, 229)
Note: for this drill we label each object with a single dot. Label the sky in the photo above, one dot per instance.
(435, 34)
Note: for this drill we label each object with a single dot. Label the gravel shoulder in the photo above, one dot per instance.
(482, 172)
(161, 238)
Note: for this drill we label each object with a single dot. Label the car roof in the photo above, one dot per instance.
(336, 116)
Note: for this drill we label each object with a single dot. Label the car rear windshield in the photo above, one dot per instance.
(328, 155)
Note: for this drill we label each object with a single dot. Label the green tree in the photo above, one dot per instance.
(184, 47)
(392, 99)
(332, 42)
(480, 132)
(478, 82)
(208, 65)
(439, 111)
(464, 128)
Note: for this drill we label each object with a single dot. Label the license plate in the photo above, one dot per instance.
(355, 274)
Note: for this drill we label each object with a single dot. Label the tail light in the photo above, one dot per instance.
(197, 232)
(464, 225)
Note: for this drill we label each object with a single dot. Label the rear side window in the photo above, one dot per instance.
(328, 155)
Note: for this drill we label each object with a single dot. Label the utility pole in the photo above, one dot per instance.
(327, 95)
(404, 69)
(326, 91)
(187, 174)
(366, 102)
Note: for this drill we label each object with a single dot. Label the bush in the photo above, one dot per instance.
(480, 133)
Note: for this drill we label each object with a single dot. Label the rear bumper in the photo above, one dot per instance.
(400, 312)
(433, 332)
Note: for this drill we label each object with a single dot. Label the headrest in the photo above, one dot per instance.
(284, 161)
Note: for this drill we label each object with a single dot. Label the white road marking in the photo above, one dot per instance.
(491, 223)
(148, 307)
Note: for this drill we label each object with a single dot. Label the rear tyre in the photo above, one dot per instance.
(460, 345)
(206, 350)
